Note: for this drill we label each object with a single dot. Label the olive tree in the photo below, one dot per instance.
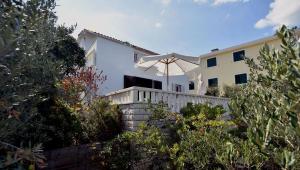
(270, 103)
(34, 54)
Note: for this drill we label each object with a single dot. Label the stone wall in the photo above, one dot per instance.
(134, 114)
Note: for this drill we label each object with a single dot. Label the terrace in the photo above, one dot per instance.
(133, 102)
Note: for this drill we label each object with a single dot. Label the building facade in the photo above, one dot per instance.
(227, 67)
(219, 68)
(117, 59)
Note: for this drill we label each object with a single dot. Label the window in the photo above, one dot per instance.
(239, 55)
(191, 85)
(241, 78)
(135, 57)
(211, 62)
(177, 88)
(130, 81)
(157, 84)
(213, 82)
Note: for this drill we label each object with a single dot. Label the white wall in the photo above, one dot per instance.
(117, 60)
(86, 42)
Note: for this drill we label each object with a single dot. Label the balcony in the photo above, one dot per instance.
(133, 102)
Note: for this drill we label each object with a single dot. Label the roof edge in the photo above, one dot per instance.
(243, 45)
(240, 46)
(116, 41)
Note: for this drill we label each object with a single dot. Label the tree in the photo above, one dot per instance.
(79, 88)
(35, 53)
(67, 50)
(270, 103)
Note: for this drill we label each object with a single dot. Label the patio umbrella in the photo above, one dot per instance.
(169, 64)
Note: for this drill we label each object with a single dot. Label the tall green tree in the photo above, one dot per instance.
(270, 103)
(35, 53)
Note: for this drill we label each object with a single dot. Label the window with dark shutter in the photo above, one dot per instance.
(211, 62)
(241, 78)
(130, 81)
(191, 85)
(213, 82)
(239, 55)
(135, 57)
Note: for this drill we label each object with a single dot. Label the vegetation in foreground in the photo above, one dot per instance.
(262, 134)
(48, 101)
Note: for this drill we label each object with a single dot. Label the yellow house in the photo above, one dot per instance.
(227, 66)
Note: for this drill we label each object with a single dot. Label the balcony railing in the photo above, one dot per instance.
(174, 100)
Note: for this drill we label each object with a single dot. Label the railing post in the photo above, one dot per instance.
(153, 97)
(141, 95)
(147, 97)
(134, 96)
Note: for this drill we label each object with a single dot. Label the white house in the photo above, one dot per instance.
(117, 60)
(132, 87)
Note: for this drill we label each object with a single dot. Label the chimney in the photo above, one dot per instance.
(215, 49)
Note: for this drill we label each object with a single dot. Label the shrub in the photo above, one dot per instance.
(212, 91)
(269, 105)
(211, 112)
(102, 120)
(192, 141)
(80, 87)
(118, 153)
(59, 126)
(231, 91)
(158, 111)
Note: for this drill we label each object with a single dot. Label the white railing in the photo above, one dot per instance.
(174, 100)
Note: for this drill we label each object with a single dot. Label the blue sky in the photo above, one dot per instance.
(190, 27)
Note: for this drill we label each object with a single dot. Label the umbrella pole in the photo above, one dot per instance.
(167, 77)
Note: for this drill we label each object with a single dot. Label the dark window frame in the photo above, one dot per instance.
(191, 85)
(130, 81)
(241, 78)
(216, 84)
(237, 56)
(211, 62)
(135, 57)
(178, 88)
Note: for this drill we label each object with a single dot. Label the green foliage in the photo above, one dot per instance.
(212, 91)
(152, 144)
(117, 154)
(231, 91)
(58, 126)
(269, 105)
(211, 112)
(102, 120)
(33, 57)
(158, 111)
(240, 153)
(67, 50)
(193, 141)
(202, 134)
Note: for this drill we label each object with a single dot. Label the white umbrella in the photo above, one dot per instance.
(169, 64)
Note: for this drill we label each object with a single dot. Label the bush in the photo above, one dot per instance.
(231, 91)
(102, 120)
(211, 112)
(118, 153)
(59, 126)
(158, 111)
(269, 105)
(212, 91)
(192, 141)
